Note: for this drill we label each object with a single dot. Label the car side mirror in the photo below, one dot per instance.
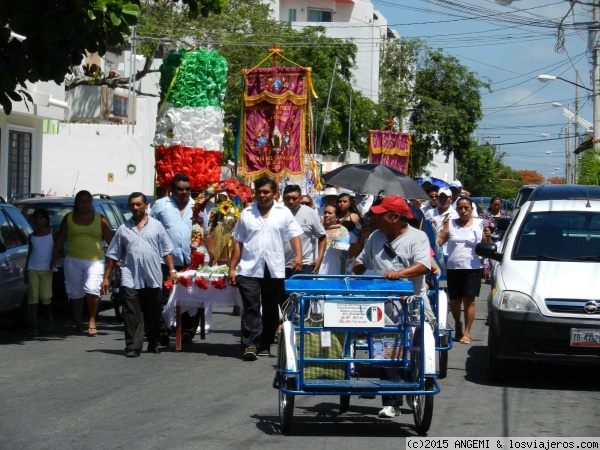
(488, 250)
(2, 248)
(502, 224)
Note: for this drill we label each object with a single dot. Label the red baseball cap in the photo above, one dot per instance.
(393, 203)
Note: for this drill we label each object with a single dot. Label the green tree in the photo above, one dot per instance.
(589, 172)
(477, 170)
(445, 103)
(57, 34)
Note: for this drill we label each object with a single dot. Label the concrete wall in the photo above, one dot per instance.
(81, 156)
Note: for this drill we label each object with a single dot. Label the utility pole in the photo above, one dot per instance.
(593, 42)
(572, 162)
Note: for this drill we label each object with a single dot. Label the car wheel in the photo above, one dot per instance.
(499, 369)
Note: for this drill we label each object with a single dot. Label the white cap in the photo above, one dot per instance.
(447, 192)
(330, 191)
(456, 183)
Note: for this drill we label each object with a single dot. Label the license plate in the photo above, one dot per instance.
(582, 337)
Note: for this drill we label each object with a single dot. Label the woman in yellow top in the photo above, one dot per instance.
(83, 229)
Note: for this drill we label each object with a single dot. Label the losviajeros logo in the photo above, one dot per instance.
(374, 314)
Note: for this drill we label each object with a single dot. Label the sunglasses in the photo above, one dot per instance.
(183, 189)
(305, 203)
(389, 250)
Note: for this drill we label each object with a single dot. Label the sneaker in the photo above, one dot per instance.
(389, 412)
(264, 351)
(250, 354)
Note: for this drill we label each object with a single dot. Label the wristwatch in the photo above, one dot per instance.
(173, 271)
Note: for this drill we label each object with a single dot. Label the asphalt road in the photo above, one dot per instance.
(64, 391)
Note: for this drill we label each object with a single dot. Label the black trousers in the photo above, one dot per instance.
(189, 324)
(141, 308)
(259, 330)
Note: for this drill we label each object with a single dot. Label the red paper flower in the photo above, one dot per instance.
(197, 260)
(218, 283)
(201, 282)
(185, 281)
(168, 284)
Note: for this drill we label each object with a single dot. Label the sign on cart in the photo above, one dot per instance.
(353, 315)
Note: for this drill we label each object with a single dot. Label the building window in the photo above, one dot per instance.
(19, 163)
(292, 15)
(319, 15)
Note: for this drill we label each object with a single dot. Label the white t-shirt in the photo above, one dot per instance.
(312, 229)
(435, 216)
(412, 246)
(461, 245)
(263, 239)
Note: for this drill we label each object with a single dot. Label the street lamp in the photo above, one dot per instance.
(544, 78)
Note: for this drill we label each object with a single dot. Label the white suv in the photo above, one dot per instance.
(545, 303)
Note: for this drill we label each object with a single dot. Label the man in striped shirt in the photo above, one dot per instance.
(139, 244)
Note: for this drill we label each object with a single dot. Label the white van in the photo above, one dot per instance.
(545, 303)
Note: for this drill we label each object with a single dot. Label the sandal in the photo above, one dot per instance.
(466, 339)
(91, 332)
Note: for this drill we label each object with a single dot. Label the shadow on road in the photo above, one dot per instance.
(324, 419)
(529, 375)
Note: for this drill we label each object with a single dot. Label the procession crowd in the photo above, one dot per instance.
(273, 238)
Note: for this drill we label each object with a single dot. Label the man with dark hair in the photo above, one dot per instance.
(312, 229)
(175, 213)
(432, 192)
(258, 236)
(395, 250)
(139, 244)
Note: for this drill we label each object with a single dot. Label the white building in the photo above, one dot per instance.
(355, 20)
(21, 138)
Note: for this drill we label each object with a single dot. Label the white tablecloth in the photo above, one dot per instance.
(191, 298)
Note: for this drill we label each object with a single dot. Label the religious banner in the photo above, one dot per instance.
(273, 139)
(390, 148)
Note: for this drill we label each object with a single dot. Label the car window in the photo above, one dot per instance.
(8, 232)
(570, 235)
(118, 213)
(56, 211)
(20, 221)
(105, 210)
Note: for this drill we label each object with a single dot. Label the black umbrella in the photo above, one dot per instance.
(375, 179)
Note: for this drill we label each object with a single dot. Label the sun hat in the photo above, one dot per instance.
(330, 191)
(393, 203)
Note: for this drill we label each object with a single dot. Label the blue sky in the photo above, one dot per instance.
(510, 45)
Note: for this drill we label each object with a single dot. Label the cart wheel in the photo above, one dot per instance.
(286, 405)
(422, 406)
(443, 364)
(344, 403)
(443, 357)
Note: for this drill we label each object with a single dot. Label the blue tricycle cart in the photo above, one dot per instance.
(328, 318)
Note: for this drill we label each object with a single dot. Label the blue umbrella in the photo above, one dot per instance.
(435, 181)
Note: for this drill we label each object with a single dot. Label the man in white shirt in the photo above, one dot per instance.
(258, 236)
(443, 209)
(312, 229)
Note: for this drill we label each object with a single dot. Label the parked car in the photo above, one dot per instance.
(522, 196)
(14, 234)
(57, 208)
(544, 304)
(484, 202)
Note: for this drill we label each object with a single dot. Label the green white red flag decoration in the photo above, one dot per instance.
(189, 130)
